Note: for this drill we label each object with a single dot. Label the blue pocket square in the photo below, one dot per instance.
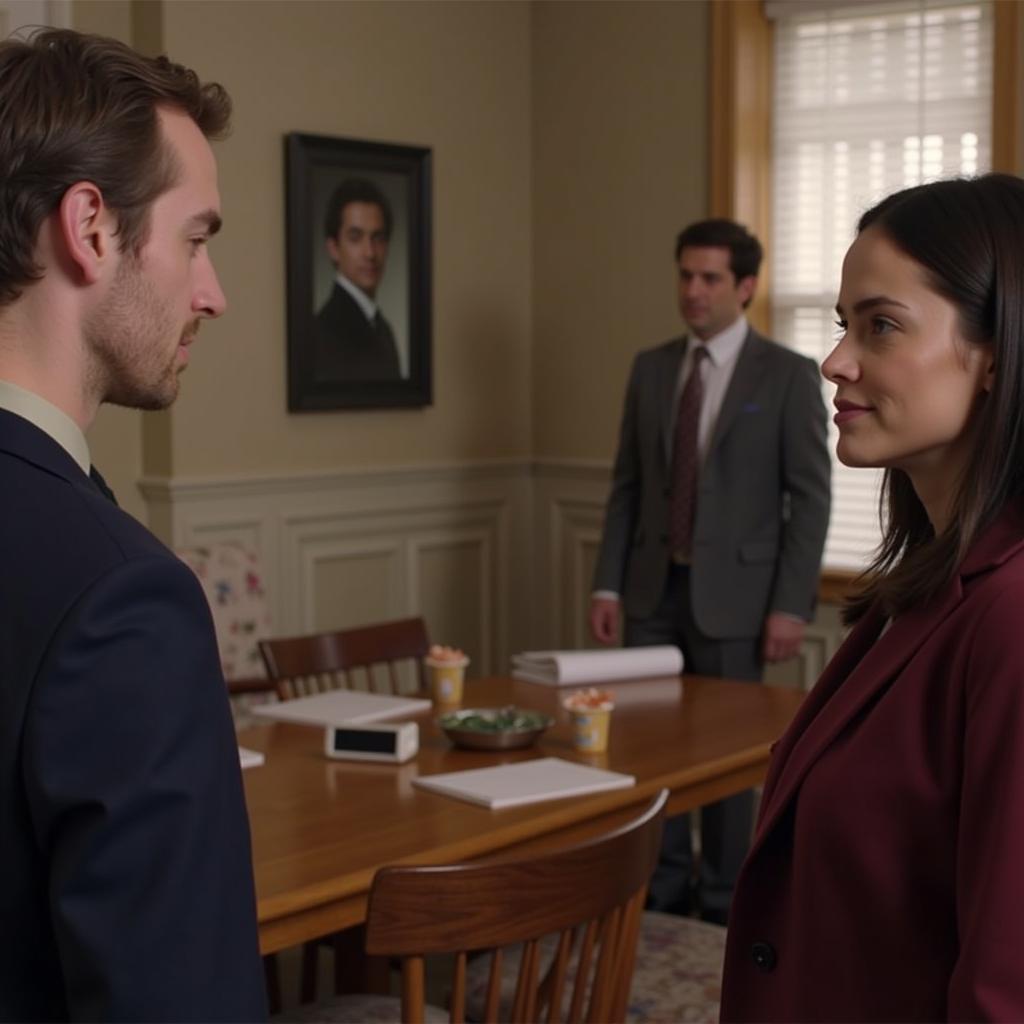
(751, 407)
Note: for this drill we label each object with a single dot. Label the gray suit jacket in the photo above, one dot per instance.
(763, 497)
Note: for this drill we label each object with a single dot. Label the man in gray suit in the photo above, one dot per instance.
(716, 520)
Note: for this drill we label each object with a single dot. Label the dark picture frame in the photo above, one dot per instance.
(332, 365)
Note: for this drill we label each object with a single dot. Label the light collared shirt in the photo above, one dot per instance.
(362, 300)
(723, 349)
(716, 372)
(48, 418)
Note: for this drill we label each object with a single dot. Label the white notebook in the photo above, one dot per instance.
(250, 758)
(341, 706)
(567, 668)
(526, 782)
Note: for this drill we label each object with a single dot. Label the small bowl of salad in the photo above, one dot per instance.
(507, 728)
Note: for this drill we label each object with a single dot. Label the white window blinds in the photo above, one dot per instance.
(868, 99)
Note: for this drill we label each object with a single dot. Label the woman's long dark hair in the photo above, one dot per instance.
(968, 236)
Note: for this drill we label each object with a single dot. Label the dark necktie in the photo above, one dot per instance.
(97, 478)
(685, 460)
(387, 353)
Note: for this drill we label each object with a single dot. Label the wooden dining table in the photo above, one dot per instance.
(321, 828)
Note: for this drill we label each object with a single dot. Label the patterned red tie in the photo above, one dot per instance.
(685, 460)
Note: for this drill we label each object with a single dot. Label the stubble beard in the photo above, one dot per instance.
(127, 339)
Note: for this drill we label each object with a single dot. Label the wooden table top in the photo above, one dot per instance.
(322, 828)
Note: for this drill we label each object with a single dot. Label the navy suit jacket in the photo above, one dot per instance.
(126, 888)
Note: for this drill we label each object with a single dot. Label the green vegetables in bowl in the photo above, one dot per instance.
(494, 728)
(493, 719)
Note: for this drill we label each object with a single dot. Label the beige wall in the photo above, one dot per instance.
(453, 76)
(620, 157)
(570, 144)
(579, 124)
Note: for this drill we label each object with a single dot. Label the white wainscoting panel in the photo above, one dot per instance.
(352, 547)
(570, 499)
(497, 557)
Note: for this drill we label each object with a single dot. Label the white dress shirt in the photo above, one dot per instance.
(723, 349)
(48, 418)
(362, 300)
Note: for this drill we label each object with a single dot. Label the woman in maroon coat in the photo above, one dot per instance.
(886, 878)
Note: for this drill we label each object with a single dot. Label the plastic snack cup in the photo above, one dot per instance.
(446, 678)
(591, 712)
(590, 729)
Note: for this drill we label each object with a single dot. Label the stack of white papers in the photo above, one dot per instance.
(342, 706)
(526, 782)
(567, 668)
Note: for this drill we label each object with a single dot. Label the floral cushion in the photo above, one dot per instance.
(678, 974)
(233, 583)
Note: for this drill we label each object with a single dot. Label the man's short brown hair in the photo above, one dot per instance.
(744, 249)
(77, 107)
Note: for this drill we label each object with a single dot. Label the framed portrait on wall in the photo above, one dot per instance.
(358, 237)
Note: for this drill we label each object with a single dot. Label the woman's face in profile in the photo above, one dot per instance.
(907, 382)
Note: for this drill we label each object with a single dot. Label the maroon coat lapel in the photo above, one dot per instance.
(861, 668)
(866, 664)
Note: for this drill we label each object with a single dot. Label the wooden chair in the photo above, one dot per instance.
(678, 973)
(590, 897)
(347, 659)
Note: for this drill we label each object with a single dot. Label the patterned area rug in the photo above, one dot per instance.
(678, 976)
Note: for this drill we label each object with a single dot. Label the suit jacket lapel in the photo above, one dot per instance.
(745, 376)
(24, 439)
(666, 393)
(862, 668)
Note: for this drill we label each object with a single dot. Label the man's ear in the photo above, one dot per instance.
(332, 249)
(745, 289)
(87, 228)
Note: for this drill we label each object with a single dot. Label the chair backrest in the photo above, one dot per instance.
(590, 896)
(347, 659)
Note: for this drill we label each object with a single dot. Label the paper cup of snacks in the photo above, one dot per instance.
(591, 712)
(447, 669)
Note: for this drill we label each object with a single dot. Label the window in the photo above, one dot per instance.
(867, 99)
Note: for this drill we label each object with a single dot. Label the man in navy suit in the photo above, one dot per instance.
(126, 888)
(353, 339)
